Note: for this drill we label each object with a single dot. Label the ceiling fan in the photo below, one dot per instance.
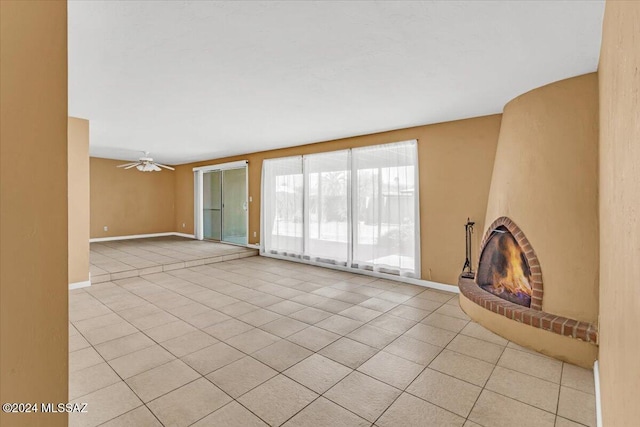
(145, 164)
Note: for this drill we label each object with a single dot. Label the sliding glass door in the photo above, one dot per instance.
(212, 205)
(234, 206)
(221, 209)
(356, 208)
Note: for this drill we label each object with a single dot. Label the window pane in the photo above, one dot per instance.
(282, 185)
(385, 208)
(328, 206)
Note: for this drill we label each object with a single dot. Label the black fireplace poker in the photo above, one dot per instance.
(467, 269)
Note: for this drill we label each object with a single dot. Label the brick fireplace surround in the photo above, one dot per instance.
(533, 316)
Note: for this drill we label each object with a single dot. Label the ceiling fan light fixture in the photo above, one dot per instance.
(145, 164)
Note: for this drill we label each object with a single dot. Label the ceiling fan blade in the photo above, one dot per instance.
(127, 164)
(166, 167)
(132, 165)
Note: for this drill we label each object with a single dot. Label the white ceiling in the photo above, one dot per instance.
(195, 80)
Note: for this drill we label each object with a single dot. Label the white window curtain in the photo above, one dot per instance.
(282, 206)
(327, 207)
(355, 208)
(386, 209)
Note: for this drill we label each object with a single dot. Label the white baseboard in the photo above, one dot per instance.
(409, 280)
(596, 378)
(252, 246)
(79, 285)
(139, 236)
(188, 236)
(436, 285)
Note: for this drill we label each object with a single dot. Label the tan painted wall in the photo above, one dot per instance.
(129, 201)
(78, 178)
(571, 350)
(545, 179)
(33, 201)
(619, 73)
(455, 163)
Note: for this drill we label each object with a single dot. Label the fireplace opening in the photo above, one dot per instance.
(503, 269)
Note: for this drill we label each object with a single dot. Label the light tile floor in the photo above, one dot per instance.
(120, 259)
(258, 341)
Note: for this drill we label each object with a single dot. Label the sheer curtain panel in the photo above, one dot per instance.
(356, 208)
(386, 209)
(327, 207)
(282, 206)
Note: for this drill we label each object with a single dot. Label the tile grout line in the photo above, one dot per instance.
(484, 385)
(559, 391)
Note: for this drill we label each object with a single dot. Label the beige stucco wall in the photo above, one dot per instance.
(455, 163)
(78, 178)
(545, 179)
(33, 200)
(619, 73)
(130, 202)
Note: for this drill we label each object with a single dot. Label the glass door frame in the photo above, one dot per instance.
(198, 199)
(208, 184)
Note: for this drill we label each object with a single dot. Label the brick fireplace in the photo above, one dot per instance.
(509, 282)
